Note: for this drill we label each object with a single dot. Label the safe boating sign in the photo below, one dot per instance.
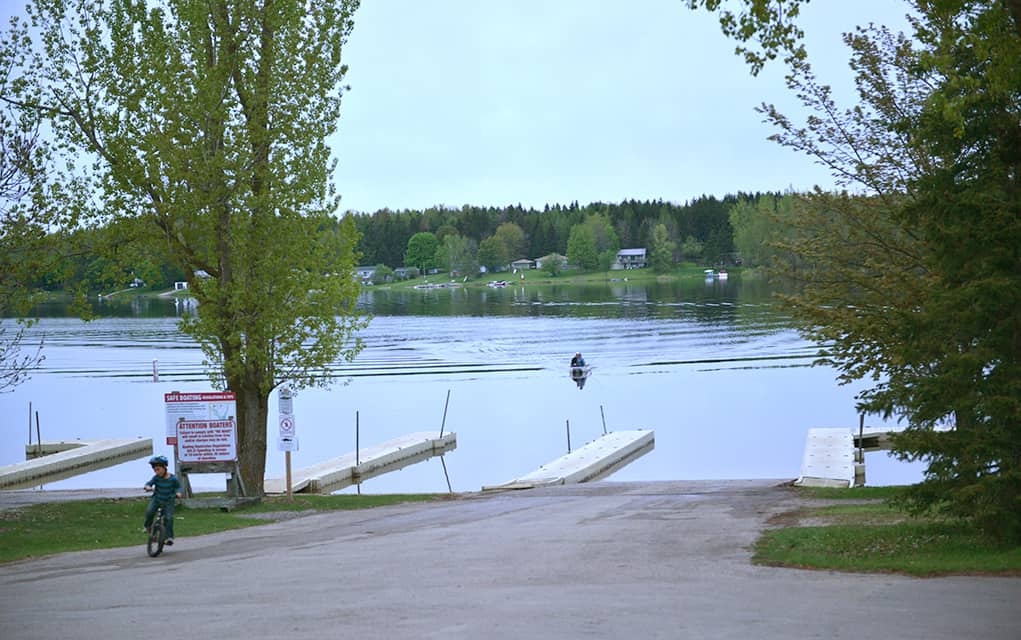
(202, 425)
(287, 440)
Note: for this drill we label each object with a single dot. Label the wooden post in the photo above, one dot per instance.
(38, 436)
(358, 451)
(604, 418)
(287, 462)
(444, 423)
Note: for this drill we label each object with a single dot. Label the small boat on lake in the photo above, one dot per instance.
(580, 374)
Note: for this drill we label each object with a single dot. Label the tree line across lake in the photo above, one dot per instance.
(452, 239)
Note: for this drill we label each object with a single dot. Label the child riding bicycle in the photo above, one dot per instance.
(164, 486)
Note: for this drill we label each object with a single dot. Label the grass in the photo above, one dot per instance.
(567, 277)
(57, 527)
(857, 531)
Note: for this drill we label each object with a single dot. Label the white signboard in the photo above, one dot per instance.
(286, 426)
(209, 406)
(207, 440)
(287, 439)
(287, 443)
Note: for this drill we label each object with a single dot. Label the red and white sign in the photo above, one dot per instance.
(207, 440)
(212, 406)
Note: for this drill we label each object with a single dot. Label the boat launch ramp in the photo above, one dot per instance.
(595, 460)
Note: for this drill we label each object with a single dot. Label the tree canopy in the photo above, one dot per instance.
(914, 282)
(199, 130)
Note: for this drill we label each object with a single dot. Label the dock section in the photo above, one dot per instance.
(52, 461)
(595, 460)
(829, 459)
(356, 467)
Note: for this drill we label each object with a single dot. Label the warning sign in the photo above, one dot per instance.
(207, 440)
(208, 405)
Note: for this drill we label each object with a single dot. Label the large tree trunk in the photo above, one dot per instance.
(253, 414)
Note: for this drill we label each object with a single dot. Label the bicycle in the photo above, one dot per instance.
(157, 532)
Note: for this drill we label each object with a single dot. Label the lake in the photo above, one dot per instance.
(710, 366)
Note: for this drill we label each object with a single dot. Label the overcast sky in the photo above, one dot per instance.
(497, 102)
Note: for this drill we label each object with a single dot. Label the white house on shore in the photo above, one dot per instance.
(631, 259)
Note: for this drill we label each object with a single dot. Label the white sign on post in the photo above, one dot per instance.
(287, 439)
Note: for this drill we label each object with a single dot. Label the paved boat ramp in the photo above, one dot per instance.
(595, 460)
(51, 461)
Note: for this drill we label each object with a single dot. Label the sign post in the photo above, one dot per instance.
(287, 441)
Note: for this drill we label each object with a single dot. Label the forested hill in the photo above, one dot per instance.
(385, 233)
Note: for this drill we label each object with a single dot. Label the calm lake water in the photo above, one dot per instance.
(709, 366)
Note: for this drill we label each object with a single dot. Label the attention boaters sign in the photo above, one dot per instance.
(202, 425)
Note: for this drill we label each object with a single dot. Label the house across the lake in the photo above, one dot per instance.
(365, 273)
(522, 264)
(631, 259)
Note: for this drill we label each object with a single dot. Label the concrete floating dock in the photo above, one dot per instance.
(595, 460)
(52, 461)
(349, 469)
(829, 459)
(832, 457)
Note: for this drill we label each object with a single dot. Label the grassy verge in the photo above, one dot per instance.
(57, 527)
(856, 530)
(567, 277)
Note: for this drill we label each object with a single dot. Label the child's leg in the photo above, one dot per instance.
(168, 513)
(150, 512)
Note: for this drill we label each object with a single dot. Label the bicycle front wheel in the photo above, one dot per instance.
(157, 537)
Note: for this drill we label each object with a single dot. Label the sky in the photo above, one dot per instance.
(535, 102)
(500, 102)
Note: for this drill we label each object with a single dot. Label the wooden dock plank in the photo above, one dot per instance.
(342, 471)
(88, 455)
(595, 460)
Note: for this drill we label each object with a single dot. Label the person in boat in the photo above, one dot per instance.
(578, 370)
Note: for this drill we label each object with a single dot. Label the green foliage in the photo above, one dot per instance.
(692, 249)
(513, 240)
(196, 133)
(915, 284)
(493, 254)
(458, 255)
(581, 248)
(553, 264)
(661, 253)
(382, 274)
(759, 225)
(421, 252)
(770, 26)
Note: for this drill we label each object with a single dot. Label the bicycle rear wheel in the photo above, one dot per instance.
(157, 536)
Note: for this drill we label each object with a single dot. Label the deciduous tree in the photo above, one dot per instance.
(202, 127)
